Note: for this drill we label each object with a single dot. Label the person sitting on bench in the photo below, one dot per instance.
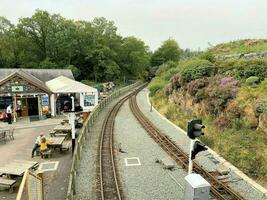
(43, 145)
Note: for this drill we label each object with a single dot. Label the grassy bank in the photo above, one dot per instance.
(240, 145)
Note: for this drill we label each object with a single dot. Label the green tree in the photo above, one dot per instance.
(91, 49)
(169, 51)
(134, 57)
(8, 44)
(37, 29)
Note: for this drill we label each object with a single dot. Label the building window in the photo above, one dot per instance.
(89, 100)
(4, 102)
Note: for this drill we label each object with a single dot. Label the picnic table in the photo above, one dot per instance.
(18, 167)
(55, 142)
(7, 183)
(63, 128)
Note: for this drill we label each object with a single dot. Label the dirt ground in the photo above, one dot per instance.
(56, 182)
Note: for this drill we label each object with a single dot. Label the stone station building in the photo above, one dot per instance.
(28, 89)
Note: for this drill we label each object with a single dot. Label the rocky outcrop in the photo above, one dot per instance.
(239, 56)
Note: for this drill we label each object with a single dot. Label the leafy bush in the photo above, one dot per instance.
(248, 95)
(167, 70)
(251, 67)
(253, 80)
(261, 106)
(243, 68)
(208, 55)
(197, 69)
(169, 74)
(156, 85)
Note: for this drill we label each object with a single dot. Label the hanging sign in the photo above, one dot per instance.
(17, 88)
(45, 101)
(89, 100)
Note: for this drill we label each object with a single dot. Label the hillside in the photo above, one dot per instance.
(229, 95)
(240, 46)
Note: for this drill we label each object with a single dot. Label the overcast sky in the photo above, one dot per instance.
(192, 23)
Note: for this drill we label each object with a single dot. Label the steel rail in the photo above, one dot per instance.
(109, 185)
(218, 189)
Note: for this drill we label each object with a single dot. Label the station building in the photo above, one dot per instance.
(42, 92)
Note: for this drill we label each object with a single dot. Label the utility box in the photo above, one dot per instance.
(196, 188)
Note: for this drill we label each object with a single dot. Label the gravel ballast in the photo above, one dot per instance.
(149, 180)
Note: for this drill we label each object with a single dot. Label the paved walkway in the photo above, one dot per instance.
(25, 123)
(208, 158)
(56, 182)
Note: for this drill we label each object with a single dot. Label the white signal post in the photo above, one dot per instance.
(71, 117)
(190, 166)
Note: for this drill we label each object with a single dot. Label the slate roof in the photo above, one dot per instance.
(28, 77)
(41, 74)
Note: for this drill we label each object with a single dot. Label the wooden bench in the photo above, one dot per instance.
(7, 184)
(61, 134)
(46, 154)
(52, 133)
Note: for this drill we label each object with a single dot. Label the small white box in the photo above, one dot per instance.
(196, 188)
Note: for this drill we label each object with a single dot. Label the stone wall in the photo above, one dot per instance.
(239, 56)
(17, 81)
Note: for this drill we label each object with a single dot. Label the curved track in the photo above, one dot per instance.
(109, 185)
(219, 190)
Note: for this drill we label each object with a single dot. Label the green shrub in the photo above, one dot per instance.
(169, 74)
(196, 69)
(253, 80)
(225, 66)
(207, 55)
(251, 67)
(243, 68)
(262, 106)
(156, 85)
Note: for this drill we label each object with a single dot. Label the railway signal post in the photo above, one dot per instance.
(71, 114)
(196, 185)
(194, 130)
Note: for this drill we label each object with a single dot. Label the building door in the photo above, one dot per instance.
(33, 106)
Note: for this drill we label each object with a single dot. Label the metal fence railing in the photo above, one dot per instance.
(84, 133)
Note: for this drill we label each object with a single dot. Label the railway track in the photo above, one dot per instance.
(109, 185)
(219, 190)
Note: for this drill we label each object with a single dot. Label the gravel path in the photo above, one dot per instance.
(204, 158)
(148, 180)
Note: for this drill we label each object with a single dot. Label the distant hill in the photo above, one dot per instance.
(240, 46)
